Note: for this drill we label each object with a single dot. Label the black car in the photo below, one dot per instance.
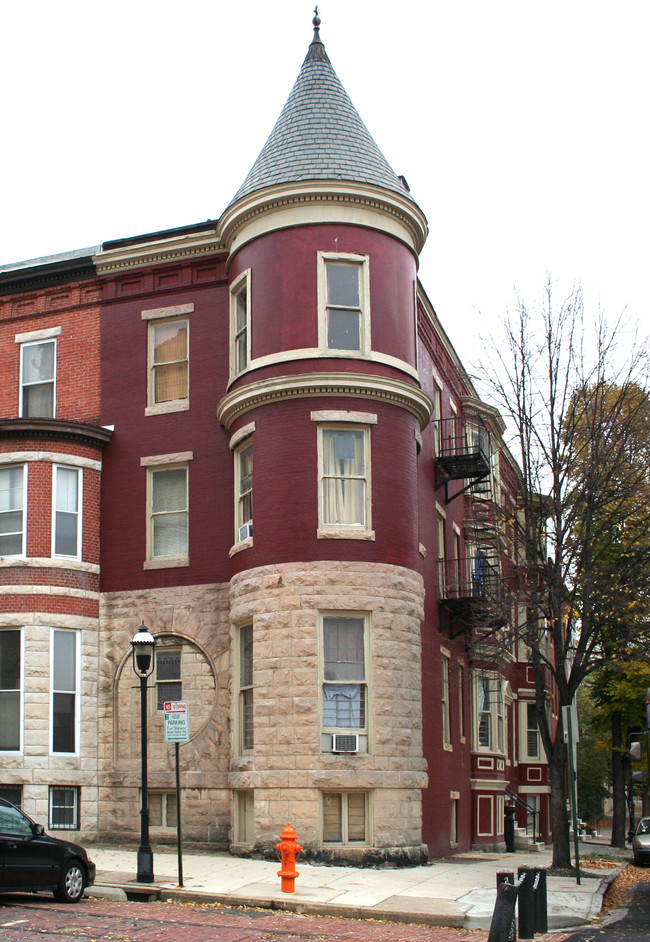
(31, 860)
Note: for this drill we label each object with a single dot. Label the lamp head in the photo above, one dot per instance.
(142, 646)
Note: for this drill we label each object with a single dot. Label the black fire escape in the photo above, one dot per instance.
(472, 595)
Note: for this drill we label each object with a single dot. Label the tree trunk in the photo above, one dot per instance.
(557, 768)
(618, 781)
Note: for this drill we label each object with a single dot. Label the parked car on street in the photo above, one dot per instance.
(31, 860)
(641, 842)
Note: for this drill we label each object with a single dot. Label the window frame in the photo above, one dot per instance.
(332, 421)
(344, 815)
(36, 341)
(56, 468)
(167, 796)
(74, 790)
(497, 739)
(24, 496)
(161, 650)
(154, 464)
(245, 706)
(362, 263)
(74, 691)
(241, 520)
(241, 283)
(445, 691)
(20, 689)
(177, 402)
(363, 731)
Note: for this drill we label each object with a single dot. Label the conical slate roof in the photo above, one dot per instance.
(319, 135)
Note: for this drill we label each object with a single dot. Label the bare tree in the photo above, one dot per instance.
(574, 403)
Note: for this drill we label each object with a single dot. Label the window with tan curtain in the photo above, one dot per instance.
(169, 367)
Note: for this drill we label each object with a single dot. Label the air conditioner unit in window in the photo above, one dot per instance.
(245, 532)
(345, 742)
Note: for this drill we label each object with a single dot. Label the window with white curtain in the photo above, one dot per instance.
(344, 477)
(169, 517)
(66, 504)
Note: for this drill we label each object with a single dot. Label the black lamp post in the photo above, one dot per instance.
(142, 647)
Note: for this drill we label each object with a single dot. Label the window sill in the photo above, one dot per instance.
(238, 547)
(344, 533)
(163, 408)
(166, 562)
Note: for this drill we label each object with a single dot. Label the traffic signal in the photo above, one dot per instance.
(635, 751)
(647, 708)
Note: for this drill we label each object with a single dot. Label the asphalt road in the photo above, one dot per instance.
(25, 918)
(630, 924)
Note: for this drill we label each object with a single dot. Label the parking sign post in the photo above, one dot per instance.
(177, 730)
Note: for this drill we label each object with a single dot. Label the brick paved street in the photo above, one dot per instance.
(28, 918)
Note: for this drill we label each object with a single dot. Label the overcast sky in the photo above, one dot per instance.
(521, 126)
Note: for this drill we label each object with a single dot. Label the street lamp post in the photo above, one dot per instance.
(142, 647)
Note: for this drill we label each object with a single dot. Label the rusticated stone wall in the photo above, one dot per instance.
(196, 619)
(287, 769)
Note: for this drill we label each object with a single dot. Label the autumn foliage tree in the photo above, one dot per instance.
(576, 406)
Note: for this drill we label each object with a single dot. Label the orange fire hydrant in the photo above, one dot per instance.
(288, 850)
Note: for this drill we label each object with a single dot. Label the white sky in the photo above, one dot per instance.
(521, 126)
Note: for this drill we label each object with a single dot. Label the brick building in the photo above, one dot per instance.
(345, 647)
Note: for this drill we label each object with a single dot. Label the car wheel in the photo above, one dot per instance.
(72, 883)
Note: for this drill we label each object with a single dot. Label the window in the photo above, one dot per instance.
(168, 360)
(444, 692)
(162, 809)
(345, 485)
(344, 687)
(12, 511)
(66, 504)
(246, 688)
(10, 690)
(64, 690)
(490, 713)
(442, 560)
(240, 352)
(244, 491)
(437, 418)
(532, 732)
(345, 817)
(484, 715)
(344, 323)
(64, 809)
(461, 702)
(168, 675)
(169, 520)
(244, 817)
(12, 793)
(453, 819)
(37, 379)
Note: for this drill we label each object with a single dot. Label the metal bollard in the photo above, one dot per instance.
(526, 908)
(541, 901)
(503, 927)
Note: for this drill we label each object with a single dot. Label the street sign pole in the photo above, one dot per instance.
(177, 730)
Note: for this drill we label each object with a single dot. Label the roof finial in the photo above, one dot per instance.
(316, 20)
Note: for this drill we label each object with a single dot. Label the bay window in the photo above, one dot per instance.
(12, 510)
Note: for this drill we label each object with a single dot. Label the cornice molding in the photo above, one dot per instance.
(353, 385)
(157, 252)
(263, 211)
(58, 429)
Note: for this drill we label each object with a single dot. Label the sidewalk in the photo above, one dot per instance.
(457, 892)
